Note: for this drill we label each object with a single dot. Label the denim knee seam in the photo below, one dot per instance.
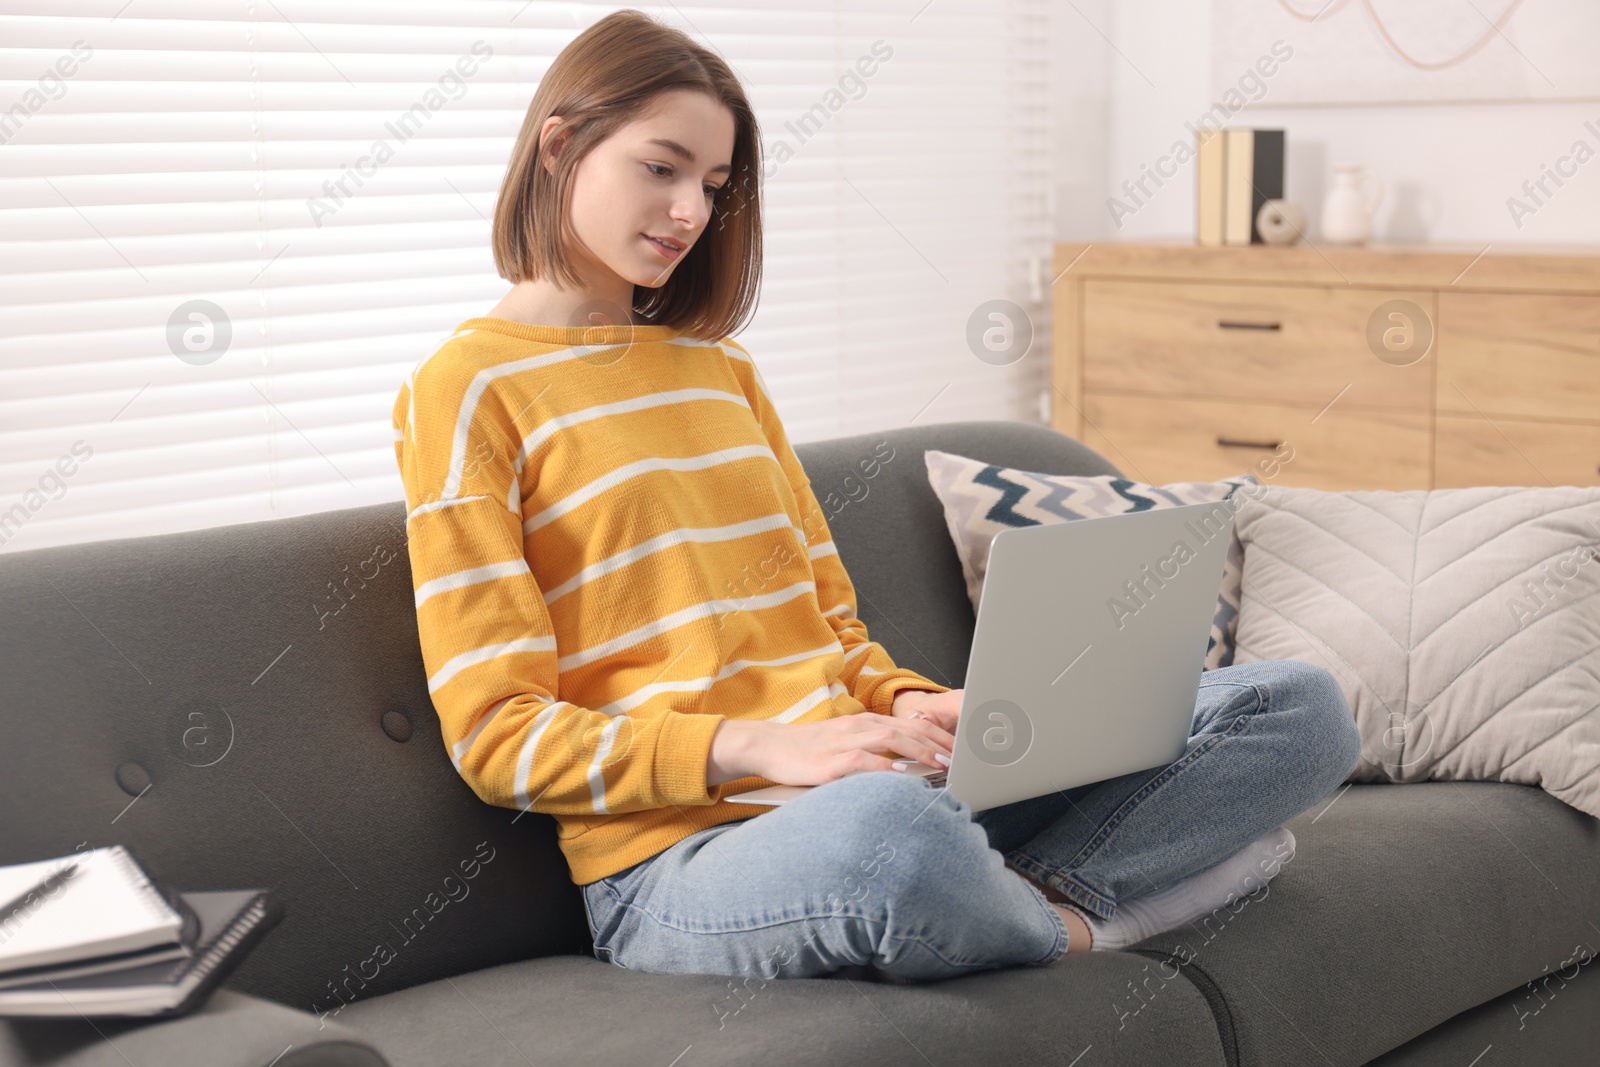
(1058, 948)
(1079, 893)
(1056, 951)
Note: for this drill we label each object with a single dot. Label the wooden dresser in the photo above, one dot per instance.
(1383, 367)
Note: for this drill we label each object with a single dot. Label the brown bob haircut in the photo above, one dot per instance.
(606, 77)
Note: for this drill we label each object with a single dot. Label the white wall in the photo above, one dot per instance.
(1081, 70)
(1449, 167)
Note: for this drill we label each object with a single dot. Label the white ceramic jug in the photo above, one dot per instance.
(1346, 212)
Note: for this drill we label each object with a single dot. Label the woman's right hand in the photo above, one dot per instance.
(812, 753)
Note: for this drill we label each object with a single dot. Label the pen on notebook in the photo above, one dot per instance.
(49, 885)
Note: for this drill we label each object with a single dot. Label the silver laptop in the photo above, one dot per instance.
(1086, 657)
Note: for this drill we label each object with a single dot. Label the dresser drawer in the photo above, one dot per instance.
(1472, 451)
(1295, 345)
(1520, 354)
(1160, 440)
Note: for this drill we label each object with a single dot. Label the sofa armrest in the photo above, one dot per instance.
(229, 1030)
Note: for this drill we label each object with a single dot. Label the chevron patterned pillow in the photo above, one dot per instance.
(981, 499)
(1463, 625)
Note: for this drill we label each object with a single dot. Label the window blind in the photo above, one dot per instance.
(230, 228)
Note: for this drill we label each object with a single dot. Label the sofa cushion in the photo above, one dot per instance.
(1550, 1020)
(1462, 624)
(981, 500)
(1403, 906)
(579, 1010)
(1546, 1021)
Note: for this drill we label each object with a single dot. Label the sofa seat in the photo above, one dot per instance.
(1402, 907)
(578, 1010)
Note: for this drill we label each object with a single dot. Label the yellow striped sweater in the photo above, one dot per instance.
(614, 548)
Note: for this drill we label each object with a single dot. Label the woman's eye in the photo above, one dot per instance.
(660, 170)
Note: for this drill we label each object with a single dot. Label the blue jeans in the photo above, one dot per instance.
(884, 869)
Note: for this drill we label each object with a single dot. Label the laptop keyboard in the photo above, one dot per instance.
(931, 775)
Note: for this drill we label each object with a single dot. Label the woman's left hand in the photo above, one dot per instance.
(943, 708)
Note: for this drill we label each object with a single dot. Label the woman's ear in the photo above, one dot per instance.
(551, 140)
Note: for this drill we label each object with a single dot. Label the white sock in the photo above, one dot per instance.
(1199, 894)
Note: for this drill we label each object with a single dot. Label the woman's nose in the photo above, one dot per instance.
(693, 212)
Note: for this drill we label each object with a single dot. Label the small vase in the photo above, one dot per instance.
(1346, 212)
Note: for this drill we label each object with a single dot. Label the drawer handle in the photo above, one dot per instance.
(1226, 325)
(1228, 442)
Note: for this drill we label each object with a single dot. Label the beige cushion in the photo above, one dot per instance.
(1462, 624)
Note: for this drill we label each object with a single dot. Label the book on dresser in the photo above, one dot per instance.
(93, 934)
(1237, 170)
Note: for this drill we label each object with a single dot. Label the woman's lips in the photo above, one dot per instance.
(666, 251)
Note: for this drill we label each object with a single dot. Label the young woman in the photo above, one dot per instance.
(631, 608)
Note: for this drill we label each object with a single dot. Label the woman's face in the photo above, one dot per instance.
(653, 178)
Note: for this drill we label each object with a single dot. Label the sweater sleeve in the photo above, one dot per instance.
(869, 672)
(488, 645)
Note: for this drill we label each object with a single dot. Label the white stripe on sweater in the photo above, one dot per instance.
(602, 748)
(472, 657)
(616, 477)
(701, 684)
(479, 385)
(435, 505)
(854, 652)
(471, 576)
(484, 378)
(558, 423)
(803, 705)
(681, 535)
(670, 622)
(541, 722)
(411, 382)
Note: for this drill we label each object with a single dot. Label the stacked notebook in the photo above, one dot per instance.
(93, 934)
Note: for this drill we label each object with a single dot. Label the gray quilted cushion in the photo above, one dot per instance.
(1463, 625)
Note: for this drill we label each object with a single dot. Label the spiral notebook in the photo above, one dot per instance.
(231, 923)
(105, 907)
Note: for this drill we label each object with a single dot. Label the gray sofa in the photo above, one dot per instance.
(245, 706)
